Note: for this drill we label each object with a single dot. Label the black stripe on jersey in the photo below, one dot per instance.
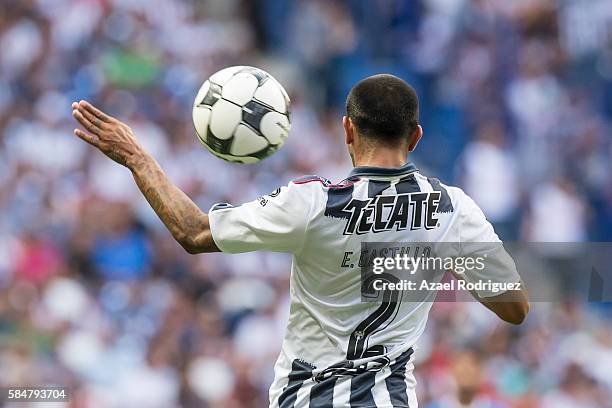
(396, 381)
(376, 187)
(408, 184)
(361, 390)
(337, 199)
(300, 372)
(445, 205)
(322, 394)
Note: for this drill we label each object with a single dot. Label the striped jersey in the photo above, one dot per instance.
(339, 351)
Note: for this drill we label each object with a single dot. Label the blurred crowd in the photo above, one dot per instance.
(94, 294)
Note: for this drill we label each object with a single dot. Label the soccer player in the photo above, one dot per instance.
(338, 351)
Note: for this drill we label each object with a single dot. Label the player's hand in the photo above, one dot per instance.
(111, 136)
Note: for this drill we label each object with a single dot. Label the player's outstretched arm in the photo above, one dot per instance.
(188, 224)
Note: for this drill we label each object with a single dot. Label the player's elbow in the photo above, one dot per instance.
(516, 314)
(191, 248)
(511, 306)
(197, 243)
(188, 243)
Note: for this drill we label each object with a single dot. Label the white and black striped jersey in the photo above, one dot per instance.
(339, 351)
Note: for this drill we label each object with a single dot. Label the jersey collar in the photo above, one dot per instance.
(367, 171)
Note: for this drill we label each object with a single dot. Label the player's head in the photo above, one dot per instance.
(382, 111)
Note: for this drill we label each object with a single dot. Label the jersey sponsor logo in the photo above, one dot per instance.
(389, 212)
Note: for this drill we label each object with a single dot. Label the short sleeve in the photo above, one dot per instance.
(479, 240)
(275, 222)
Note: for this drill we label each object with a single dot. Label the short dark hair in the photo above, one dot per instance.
(383, 107)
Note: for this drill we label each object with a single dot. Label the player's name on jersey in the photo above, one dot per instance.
(452, 285)
(368, 254)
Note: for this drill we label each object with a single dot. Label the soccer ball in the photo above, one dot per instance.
(241, 114)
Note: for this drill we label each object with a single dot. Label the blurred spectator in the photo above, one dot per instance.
(557, 214)
(489, 177)
(468, 382)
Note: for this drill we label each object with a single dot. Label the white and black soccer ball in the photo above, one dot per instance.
(241, 114)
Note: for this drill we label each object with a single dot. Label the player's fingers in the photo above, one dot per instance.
(91, 139)
(86, 123)
(95, 111)
(97, 122)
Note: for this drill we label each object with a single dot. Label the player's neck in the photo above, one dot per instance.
(381, 157)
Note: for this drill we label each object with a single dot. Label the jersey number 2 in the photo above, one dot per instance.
(376, 321)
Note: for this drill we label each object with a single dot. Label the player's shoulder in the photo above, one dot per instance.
(317, 190)
(452, 197)
(311, 178)
(458, 196)
(304, 188)
(463, 203)
(322, 182)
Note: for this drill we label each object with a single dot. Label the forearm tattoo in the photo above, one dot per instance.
(187, 223)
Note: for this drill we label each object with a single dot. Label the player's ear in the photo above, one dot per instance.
(349, 132)
(414, 140)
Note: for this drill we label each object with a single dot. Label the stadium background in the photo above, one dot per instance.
(516, 107)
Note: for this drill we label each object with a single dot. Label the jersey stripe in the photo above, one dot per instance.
(408, 184)
(379, 391)
(322, 394)
(376, 187)
(300, 372)
(445, 205)
(396, 381)
(342, 392)
(361, 390)
(337, 199)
